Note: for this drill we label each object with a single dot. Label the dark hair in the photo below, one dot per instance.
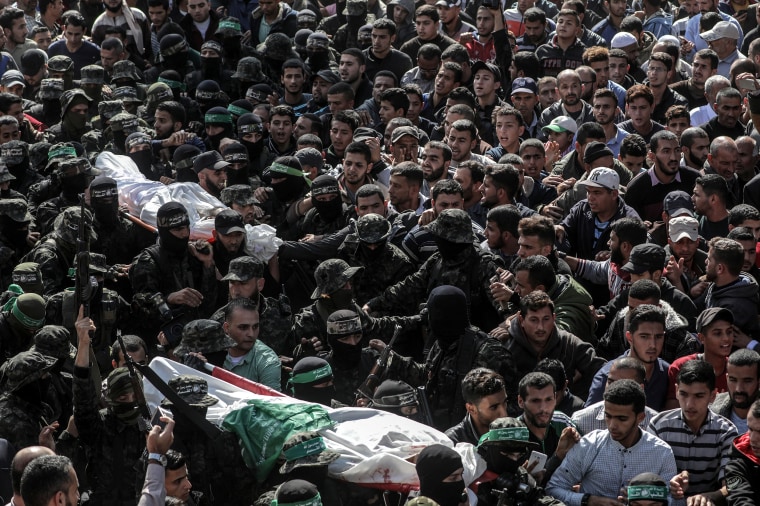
(356, 53)
(708, 21)
(675, 112)
(429, 52)
(44, 477)
(174, 109)
(696, 371)
(534, 14)
(691, 134)
(553, 368)
(645, 289)
(477, 170)
(111, 44)
(349, 117)
(465, 125)
(529, 64)
(463, 95)
(589, 130)
(506, 217)
(175, 460)
(463, 110)
(631, 230)
(741, 234)
(663, 58)
(626, 392)
(532, 143)
(7, 100)
(443, 147)
(159, 3)
(446, 187)
(508, 110)
(728, 92)
(504, 177)
(388, 73)
(457, 53)
(631, 24)
(310, 140)
(754, 410)
(429, 11)
(639, 91)
(360, 148)
(571, 13)
(10, 14)
(708, 54)
(645, 313)
(535, 301)
(729, 253)
(410, 171)
(294, 63)
(634, 145)
(744, 357)
(618, 53)
(316, 122)
(242, 303)
(116, 30)
(397, 98)
(342, 88)
(605, 93)
(455, 68)
(714, 184)
(539, 226)
(368, 190)
(537, 380)
(540, 271)
(385, 24)
(479, 383)
(413, 89)
(131, 343)
(631, 364)
(736, 216)
(283, 110)
(39, 29)
(73, 18)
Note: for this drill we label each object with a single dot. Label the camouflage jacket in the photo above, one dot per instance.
(121, 241)
(49, 210)
(275, 323)
(54, 262)
(113, 448)
(21, 421)
(11, 343)
(471, 271)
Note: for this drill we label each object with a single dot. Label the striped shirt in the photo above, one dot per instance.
(592, 418)
(704, 454)
(603, 466)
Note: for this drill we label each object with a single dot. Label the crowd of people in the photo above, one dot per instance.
(534, 227)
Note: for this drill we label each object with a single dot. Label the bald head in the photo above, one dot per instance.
(19, 463)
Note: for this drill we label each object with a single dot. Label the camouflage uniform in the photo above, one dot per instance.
(55, 342)
(275, 316)
(16, 157)
(92, 81)
(107, 109)
(49, 187)
(14, 214)
(241, 196)
(470, 270)
(113, 446)
(75, 175)
(216, 468)
(57, 132)
(115, 134)
(20, 419)
(381, 269)
(55, 255)
(48, 111)
(345, 36)
(19, 321)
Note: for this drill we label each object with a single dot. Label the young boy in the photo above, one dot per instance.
(509, 126)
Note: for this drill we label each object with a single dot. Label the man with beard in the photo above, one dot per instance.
(436, 158)
(183, 274)
(111, 437)
(470, 175)
(458, 262)
(251, 132)
(228, 243)
(728, 110)
(351, 70)
(743, 372)
(704, 66)
(501, 233)
(292, 79)
(695, 145)
(485, 397)
(500, 186)
(212, 172)
(710, 197)
(624, 407)
(15, 238)
(239, 197)
(647, 191)
(246, 279)
(328, 214)
(281, 123)
(570, 103)
(381, 54)
(286, 191)
(321, 83)
(75, 105)
(535, 32)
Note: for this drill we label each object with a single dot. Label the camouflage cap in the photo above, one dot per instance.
(244, 269)
(60, 63)
(5, 173)
(249, 69)
(51, 89)
(92, 74)
(60, 151)
(355, 8)
(124, 69)
(14, 152)
(38, 155)
(98, 263)
(331, 275)
(453, 225)
(204, 336)
(508, 431)
(125, 122)
(54, 341)
(69, 96)
(127, 94)
(240, 194)
(107, 109)
(28, 276)
(15, 209)
(24, 368)
(158, 92)
(306, 449)
(421, 500)
(372, 228)
(193, 390)
(67, 224)
(277, 46)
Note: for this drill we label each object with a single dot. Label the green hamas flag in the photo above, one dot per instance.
(263, 427)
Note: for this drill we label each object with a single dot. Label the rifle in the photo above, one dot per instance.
(424, 406)
(144, 420)
(367, 389)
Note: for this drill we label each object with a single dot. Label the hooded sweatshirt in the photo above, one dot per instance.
(741, 297)
(742, 473)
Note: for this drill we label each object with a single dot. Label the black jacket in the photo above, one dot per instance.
(742, 474)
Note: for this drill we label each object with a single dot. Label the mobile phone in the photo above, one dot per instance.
(157, 417)
(540, 460)
(746, 84)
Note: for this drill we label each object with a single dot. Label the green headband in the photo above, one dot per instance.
(314, 501)
(218, 118)
(647, 493)
(509, 434)
(24, 319)
(62, 151)
(311, 376)
(285, 170)
(304, 449)
(173, 84)
(229, 24)
(237, 111)
(17, 290)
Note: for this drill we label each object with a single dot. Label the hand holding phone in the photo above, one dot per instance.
(536, 462)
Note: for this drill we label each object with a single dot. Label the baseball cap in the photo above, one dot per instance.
(683, 226)
(712, 314)
(596, 150)
(677, 203)
(481, 65)
(449, 3)
(524, 85)
(399, 132)
(645, 257)
(722, 30)
(602, 177)
(229, 221)
(209, 160)
(623, 39)
(32, 61)
(12, 78)
(330, 76)
(562, 124)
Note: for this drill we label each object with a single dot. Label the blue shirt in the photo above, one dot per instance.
(656, 388)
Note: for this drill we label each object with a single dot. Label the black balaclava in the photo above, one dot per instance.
(392, 395)
(76, 124)
(171, 215)
(144, 157)
(117, 384)
(173, 52)
(449, 250)
(310, 371)
(211, 68)
(327, 185)
(299, 41)
(248, 123)
(218, 116)
(235, 152)
(447, 314)
(16, 232)
(207, 94)
(340, 324)
(16, 157)
(182, 160)
(34, 392)
(289, 169)
(104, 199)
(497, 460)
(317, 47)
(173, 80)
(72, 186)
(434, 464)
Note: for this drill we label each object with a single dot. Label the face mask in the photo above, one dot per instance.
(217, 138)
(75, 122)
(127, 412)
(344, 356)
(171, 243)
(176, 61)
(500, 463)
(119, 139)
(211, 67)
(15, 233)
(20, 169)
(106, 209)
(143, 159)
(253, 148)
(72, 186)
(447, 494)
(239, 176)
(35, 392)
(342, 299)
(289, 189)
(330, 210)
(315, 475)
(321, 396)
(371, 254)
(450, 250)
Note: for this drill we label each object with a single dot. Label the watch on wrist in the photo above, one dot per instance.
(585, 499)
(159, 458)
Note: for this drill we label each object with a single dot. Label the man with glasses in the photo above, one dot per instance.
(658, 72)
(423, 75)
